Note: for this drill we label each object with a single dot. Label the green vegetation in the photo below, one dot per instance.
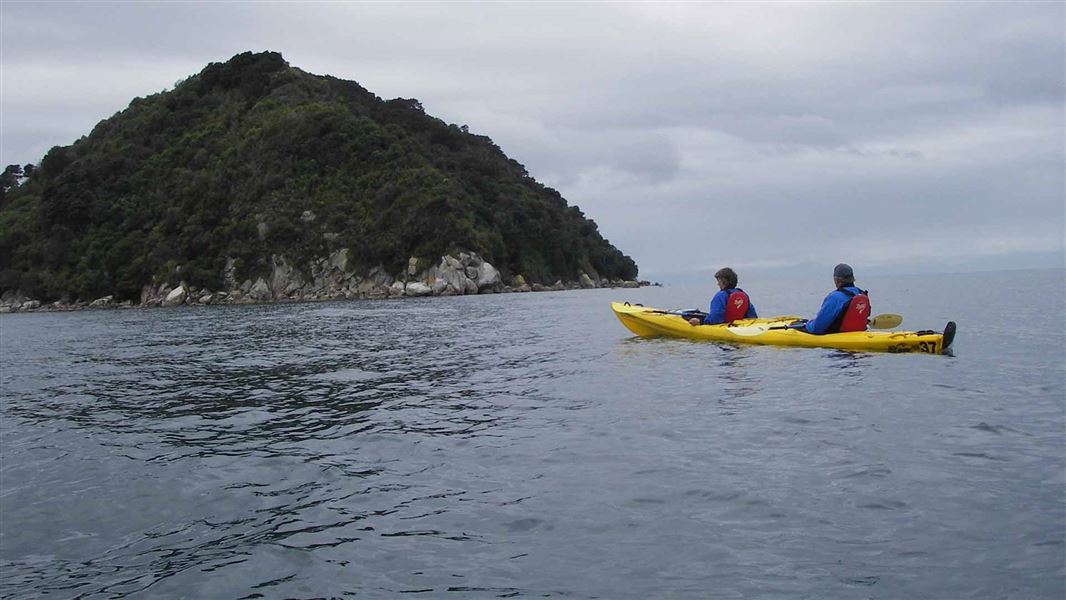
(251, 158)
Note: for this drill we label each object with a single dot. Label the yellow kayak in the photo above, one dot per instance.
(653, 322)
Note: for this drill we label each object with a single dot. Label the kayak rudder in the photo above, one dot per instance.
(949, 337)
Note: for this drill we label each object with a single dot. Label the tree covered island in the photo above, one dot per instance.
(255, 181)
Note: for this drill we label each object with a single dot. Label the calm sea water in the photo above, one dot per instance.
(525, 445)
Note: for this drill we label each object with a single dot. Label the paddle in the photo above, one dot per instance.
(883, 321)
(681, 312)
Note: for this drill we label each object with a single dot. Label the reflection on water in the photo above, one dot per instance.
(518, 445)
(850, 364)
(738, 375)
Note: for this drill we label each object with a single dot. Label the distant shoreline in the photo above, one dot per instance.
(35, 306)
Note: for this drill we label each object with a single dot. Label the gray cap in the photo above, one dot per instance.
(843, 271)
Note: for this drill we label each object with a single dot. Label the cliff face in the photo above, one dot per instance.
(251, 160)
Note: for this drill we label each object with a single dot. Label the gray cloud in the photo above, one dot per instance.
(694, 134)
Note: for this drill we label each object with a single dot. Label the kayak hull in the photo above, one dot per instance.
(650, 322)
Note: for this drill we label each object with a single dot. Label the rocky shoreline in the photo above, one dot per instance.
(331, 278)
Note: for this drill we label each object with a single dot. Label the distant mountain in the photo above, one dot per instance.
(252, 159)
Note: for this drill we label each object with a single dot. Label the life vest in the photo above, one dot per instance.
(736, 305)
(856, 312)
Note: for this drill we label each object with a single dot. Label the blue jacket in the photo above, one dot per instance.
(716, 313)
(831, 308)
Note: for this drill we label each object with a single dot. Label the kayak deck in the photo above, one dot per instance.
(649, 322)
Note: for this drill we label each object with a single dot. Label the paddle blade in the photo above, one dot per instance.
(886, 321)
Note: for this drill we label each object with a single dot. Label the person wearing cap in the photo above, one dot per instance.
(729, 303)
(846, 308)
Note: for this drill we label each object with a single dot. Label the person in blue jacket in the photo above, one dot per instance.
(846, 308)
(729, 303)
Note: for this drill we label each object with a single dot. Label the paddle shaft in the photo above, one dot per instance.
(883, 321)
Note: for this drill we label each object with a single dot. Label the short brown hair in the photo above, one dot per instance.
(729, 275)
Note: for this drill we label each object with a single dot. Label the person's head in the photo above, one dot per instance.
(843, 275)
(727, 278)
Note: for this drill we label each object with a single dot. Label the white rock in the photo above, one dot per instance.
(339, 259)
(379, 277)
(449, 278)
(284, 279)
(488, 277)
(260, 290)
(229, 273)
(417, 288)
(175, 297)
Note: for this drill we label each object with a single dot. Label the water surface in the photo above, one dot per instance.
(526, 445)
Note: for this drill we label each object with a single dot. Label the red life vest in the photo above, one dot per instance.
(856, 312)
(736, 306)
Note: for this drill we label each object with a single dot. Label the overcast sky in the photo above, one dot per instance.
(898, 137)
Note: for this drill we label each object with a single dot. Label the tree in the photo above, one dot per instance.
(8, 180)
